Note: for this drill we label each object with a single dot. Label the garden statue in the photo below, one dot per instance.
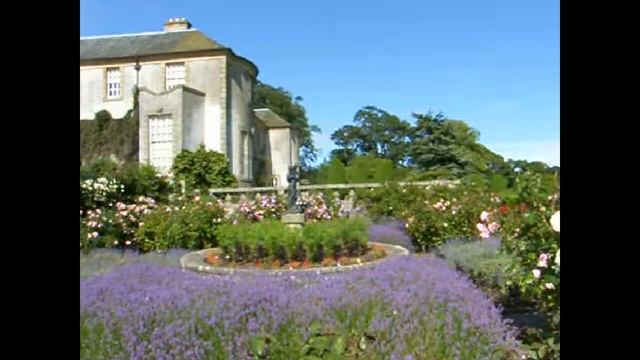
(293, 195)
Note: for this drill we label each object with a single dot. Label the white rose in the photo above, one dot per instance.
(536, 273)
(549, 286)
(555, 221)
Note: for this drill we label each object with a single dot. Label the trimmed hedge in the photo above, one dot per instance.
(274, 241)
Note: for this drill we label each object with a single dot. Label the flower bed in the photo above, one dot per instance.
(216, 257)
(406, 306)
(273, 241)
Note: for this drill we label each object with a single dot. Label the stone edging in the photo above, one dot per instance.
(195, 261)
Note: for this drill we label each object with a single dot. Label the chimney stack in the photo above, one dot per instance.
(177, 24)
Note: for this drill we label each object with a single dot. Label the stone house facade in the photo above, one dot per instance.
(192, 91)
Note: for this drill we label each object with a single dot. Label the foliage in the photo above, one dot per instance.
(273, 240)
(108, 138)
(262, 207)
(362, 169)
(435, 146)
(481, 260)
(498, 183)
(529, 236)
(190, 225)
(202, 169)
(317, 207)
(98, 229)
(375, 132)
(334, 173)
(99, 168)
(441, 143)
(432, 214)
(99, 192)
(143, 180)
(406, 307)
(136, 180)
(268, 240)
(290, 109)
(114, 227)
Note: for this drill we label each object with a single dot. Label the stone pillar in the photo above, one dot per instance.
(293, 221)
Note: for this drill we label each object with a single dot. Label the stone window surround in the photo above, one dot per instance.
(105, 84)
(186, 72)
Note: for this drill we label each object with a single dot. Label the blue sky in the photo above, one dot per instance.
(493, 63)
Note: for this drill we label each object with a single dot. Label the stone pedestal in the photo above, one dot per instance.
(294, 221)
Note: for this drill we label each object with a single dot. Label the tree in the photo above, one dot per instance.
(376, 133)
(434, 144)
(361, 170)
(290, 109)
(202, 169)
(336, 172)
(384, 171)
(439, 144)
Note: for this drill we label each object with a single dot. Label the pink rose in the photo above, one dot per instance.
(542, 260)
(484, 216)
(536, 273)
(484, 231)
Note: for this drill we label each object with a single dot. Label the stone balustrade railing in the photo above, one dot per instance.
(282, 189)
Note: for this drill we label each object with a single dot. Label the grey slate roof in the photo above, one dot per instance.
(109, 47)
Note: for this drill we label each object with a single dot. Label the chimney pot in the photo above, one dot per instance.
(177, 24)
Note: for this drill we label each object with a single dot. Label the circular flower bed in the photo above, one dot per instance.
(212, 261)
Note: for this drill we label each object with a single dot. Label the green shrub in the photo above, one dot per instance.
(114, 226)
(202, 169)
(134, 180)
(190, 226)
(498, 183)
(99, 229)
(336, 172)
(481, 260)
(143, 180)
(360, 170)
(270, 240)
(99, 168)
(529, 237)
(273, 240)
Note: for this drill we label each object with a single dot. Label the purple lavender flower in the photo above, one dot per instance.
(391, 233)
(412, 306)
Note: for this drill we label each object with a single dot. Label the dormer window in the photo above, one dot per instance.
(175, 75)
(114, 83)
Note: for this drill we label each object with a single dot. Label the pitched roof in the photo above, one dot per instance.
(121, 46)
(270, 119)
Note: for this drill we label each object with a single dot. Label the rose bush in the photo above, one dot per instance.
(96, 193)
(531, 234)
